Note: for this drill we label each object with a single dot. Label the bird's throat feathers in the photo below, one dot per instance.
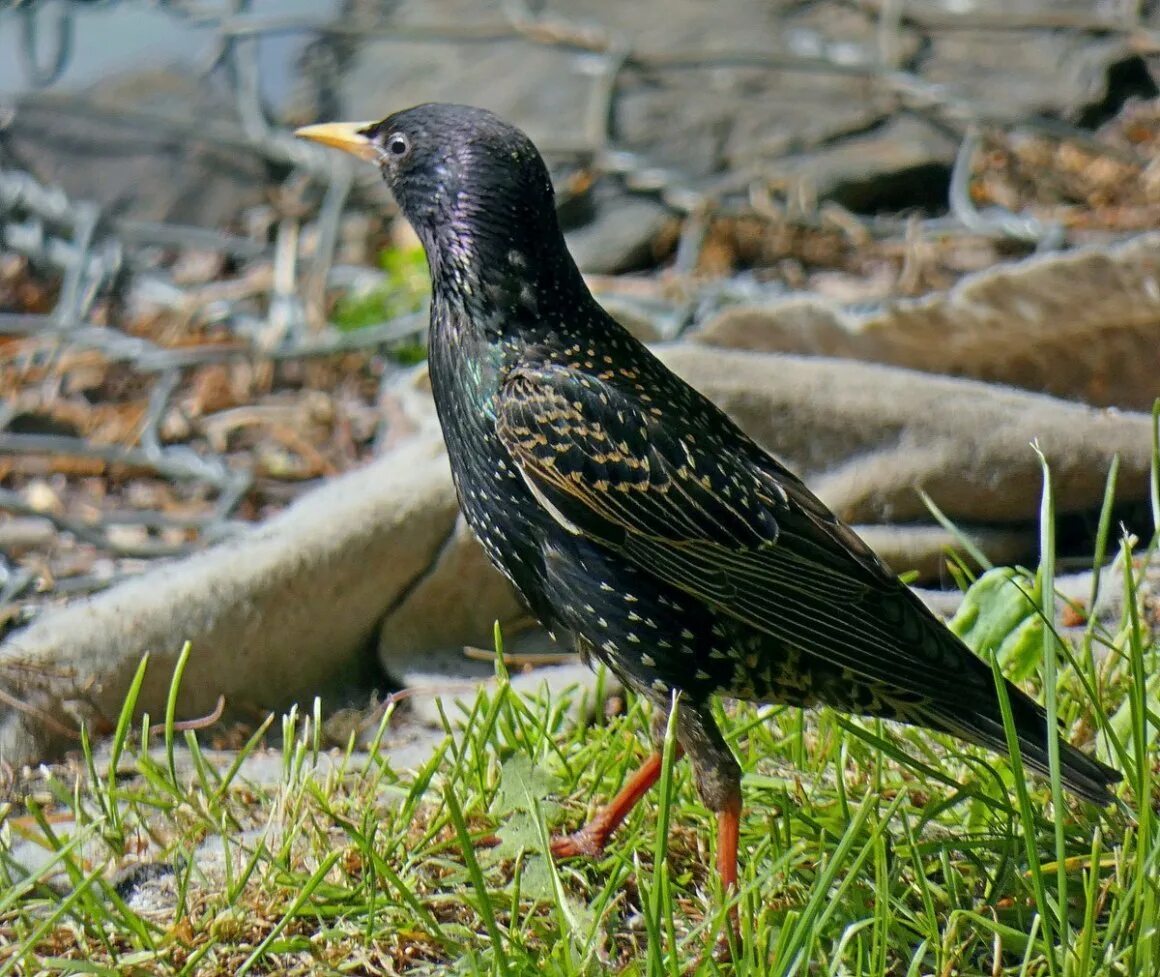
(489, 259)
(489, 228)
(479, 196)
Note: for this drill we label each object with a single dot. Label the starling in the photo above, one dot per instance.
(631, 512)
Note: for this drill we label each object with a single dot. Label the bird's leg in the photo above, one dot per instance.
(718, 779)
(728, 832)
(590, 840)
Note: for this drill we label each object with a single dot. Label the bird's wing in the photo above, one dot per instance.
(718, 519)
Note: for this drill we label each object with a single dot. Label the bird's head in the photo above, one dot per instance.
(474, 188)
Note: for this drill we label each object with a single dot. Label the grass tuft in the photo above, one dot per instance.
(865, 847)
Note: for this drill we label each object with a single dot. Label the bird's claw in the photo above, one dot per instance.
(580, 844)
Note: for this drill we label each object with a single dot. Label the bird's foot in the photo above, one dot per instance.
(590, 840)
(585, 843)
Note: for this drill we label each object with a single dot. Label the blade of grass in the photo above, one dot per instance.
(795, 950)
(80, 893)
(1051, 685)
(22, 889)
(300, 900)
(1142, 765)
(171, 709)
(231, 772)
(565, 917)
(1156, 469)
(964, 540)
(659, 905)
(930, 916)
(117, 747)
(1087, 935)
(467, 847)
(1103, 533)
(68, 966)
(1026, 814)
(104, 801)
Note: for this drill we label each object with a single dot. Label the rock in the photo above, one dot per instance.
(271, 615)
(649, 325)
(1082, 324)
(902, 163)
(753, 89)
(1015, 74)
(137, 134)
(694, 117)
(457, 601)
(866, 436)
(20, 534)
(386, 74)
(622, 236)
(149, 887)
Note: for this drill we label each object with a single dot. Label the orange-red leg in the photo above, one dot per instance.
(728, 833)
(590, 840)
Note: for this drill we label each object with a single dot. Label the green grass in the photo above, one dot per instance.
(867, 848)
(405, 289)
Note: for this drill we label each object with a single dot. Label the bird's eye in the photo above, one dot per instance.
(398, 145)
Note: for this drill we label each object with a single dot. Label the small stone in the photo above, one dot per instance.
(197, 267)
(621, 237)
(42, 497)
(127, 536)
(20, 534)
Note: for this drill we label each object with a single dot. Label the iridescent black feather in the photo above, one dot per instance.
(629, 510)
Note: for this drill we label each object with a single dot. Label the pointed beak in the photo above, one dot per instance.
(343, 135)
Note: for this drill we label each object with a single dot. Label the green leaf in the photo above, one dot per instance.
(521, 787)
(517, 834)
(998, 613)
(403, 292)
(535, 878)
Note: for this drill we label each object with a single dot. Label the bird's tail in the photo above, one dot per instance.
(1081, 774)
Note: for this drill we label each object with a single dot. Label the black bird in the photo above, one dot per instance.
(629, 510)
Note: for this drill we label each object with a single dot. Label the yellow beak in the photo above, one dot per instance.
(342, 135)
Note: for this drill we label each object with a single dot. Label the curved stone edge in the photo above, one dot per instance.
(270, 614)
(866, 437)
(1082, 323)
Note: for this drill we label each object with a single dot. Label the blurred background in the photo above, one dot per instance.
(202, 319)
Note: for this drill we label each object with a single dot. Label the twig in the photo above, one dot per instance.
(521, 660)
(201, 722)
(41, 76)
(327, 227)
(994, 221)
(187, 236)
(176, 463)
(46, 718)
(163, 389)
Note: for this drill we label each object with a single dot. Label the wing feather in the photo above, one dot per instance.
(723, 522)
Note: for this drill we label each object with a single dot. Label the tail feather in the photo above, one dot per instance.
(1080, 773)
